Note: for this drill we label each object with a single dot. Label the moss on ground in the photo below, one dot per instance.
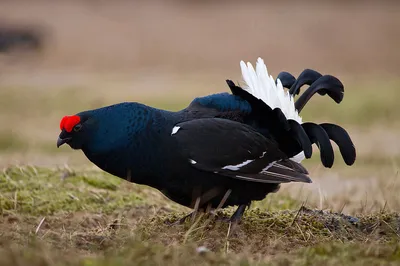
(86, 217)
(39, 191)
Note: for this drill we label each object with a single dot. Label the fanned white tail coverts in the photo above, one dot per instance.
(262, 86)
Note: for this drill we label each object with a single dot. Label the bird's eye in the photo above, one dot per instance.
(78, 127)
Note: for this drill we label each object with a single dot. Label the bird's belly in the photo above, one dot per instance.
(204, 190)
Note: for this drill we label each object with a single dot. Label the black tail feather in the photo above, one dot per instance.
(308, 76)
(301, 137)
(286, 78)
(340, 136)
(319, 136)
(329, 84)
(312, 78)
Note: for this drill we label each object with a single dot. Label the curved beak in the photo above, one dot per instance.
(61, 141)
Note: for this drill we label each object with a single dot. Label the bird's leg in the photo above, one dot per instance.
(237, 215)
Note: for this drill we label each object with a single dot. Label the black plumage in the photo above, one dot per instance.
(235, 150)
(222, 150)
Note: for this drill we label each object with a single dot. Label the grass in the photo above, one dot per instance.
(60, 216)
(38, 191)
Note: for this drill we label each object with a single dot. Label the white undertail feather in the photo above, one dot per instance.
(298, 157)
(262, 86)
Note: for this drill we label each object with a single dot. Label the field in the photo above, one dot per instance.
(58, 209)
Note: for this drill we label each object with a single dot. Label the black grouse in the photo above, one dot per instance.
(223, 149)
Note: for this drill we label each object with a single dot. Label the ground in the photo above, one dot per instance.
(58, 209)
(85, 217)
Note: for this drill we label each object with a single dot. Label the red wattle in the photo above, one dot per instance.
(68, 122)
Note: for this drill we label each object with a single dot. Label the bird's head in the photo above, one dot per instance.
(75, 131)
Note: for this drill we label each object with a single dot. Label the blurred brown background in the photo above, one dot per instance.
(346, 37)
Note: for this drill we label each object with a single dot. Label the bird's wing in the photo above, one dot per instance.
(235, 150)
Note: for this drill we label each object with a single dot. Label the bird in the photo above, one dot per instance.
(224, 149)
